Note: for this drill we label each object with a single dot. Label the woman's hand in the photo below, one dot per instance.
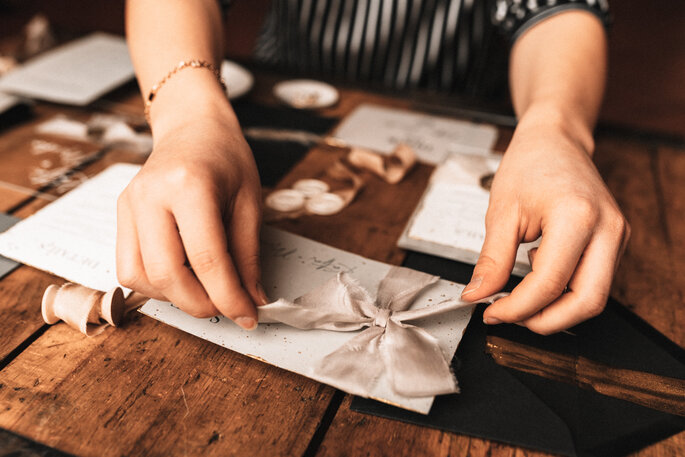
(547, 185)
(188, 223)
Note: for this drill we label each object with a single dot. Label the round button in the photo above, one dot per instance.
(325, 204)
(311, 187)
(286, 200)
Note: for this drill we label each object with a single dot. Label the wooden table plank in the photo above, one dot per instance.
(671, 184)
(20, 293)
(150, 389)
(648, 187)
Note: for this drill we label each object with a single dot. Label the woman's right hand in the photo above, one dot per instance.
(188, 223)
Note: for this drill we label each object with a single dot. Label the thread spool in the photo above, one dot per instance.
(84, 309)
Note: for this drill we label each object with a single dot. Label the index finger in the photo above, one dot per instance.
(200, 224)
(557, 257)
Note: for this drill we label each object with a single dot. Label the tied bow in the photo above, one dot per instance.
(411, 357)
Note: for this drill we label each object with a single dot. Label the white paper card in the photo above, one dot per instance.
(450, 219)
(76, 73)
(75, 236)
(432, 137)
(292, 266)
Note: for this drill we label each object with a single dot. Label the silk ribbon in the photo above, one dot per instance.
(412, 358)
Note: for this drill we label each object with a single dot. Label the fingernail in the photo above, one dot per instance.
(491, 321)
(262, 295)
(246, 322)
(473, 285)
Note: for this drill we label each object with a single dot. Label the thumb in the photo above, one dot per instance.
(496, 258)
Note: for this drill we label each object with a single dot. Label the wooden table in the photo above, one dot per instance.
(149, 389)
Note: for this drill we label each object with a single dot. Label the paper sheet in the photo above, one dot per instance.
(432, 137)
(75, 236)
(76, 73)
(450, 219)
(292, 266)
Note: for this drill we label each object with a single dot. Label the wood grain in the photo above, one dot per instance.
(20, 297)
(647, 183)
(149, 389)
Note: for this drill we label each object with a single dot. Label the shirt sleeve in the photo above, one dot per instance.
(513, 17)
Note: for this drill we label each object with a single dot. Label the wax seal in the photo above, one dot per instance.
(311, 187)
(325, 204)
(286, 200)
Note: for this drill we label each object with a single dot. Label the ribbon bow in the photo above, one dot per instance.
(411, 357)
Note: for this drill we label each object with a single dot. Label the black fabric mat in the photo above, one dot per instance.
(510, 406)
(275, 159)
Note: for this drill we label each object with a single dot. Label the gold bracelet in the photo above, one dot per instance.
(176, 69)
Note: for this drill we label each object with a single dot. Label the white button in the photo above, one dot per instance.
(286, 200)
(325, 204)
(311, 187)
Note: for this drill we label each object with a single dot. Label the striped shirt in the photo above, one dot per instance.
(447, 45)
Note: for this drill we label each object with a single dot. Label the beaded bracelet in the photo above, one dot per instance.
(176, 69)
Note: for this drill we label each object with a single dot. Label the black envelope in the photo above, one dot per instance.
(514, 407)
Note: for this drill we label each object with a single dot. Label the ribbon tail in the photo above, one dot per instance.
(444, 307)
(415, 362)
(355, 366)
(307, 318)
